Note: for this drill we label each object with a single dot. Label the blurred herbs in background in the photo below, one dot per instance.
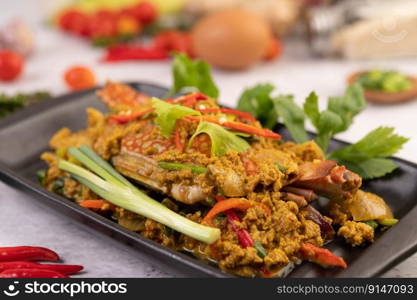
(9, 104)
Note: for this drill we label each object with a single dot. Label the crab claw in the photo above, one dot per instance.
(327, 178)
(120, 97)
(321, 256)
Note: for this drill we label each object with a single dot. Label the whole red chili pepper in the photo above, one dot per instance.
(31, 273)
(124, 52)
(63, 269)
(27, 253)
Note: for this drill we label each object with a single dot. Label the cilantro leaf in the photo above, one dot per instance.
(293, 117)
(222, 140)
(367, 157)
(348, 106)
(371, 168)
(379, 143)
(311, 108)
(328, 123)
(338, 116)
(168, 115)
(192, 74)
(258, 102)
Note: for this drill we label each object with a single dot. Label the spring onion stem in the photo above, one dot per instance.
(110, 187)
(105, 165)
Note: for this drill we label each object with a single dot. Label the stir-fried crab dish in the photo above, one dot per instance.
(274, 202)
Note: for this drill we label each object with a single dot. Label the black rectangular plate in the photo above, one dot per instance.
(25, 135)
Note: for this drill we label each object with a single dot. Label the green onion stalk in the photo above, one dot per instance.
(113, 187)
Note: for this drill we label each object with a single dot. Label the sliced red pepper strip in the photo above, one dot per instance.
(93, 204)
(321, 256)
(245, 240)
(178, 143)
(244, 237)
(122, 119)
(31, 273)
(238, 126)
(229, 111)
(63, 269)
(232, 203)
(188, 99)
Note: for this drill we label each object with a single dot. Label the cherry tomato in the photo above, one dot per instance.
(104, 13)
(11, 65)
(274, 49)
(128, 25)
(102, 26)
(174, 40)
(74, 21)
(144, 12)
(79, 78)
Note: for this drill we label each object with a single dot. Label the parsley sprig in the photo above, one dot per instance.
(191, 75)
(369, 157)
(10, 104)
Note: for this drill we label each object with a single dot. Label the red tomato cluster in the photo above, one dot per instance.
(174, 40)
(108, 24)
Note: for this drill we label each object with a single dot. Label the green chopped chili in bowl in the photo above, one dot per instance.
(386, 86)
(385, 81)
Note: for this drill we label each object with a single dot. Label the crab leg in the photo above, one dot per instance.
(298, 199)
(321, 256)
(307, 194)
(122, 98)
(136, 160)
(146, 171)
(327, 178)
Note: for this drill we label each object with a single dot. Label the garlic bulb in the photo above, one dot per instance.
(17, 36)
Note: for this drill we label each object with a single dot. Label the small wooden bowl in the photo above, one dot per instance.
(380, 97)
